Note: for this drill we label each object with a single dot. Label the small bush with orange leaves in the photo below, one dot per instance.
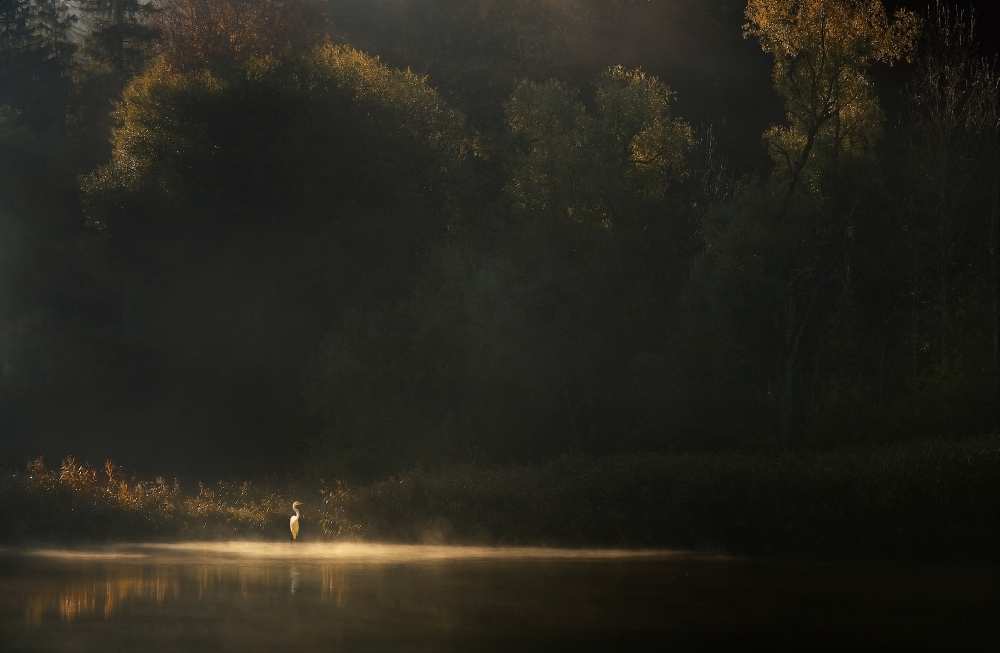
(79, 502)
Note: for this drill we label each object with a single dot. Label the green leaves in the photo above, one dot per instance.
(328, 125)
(595, 166)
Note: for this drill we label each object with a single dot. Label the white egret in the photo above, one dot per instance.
(293, 523)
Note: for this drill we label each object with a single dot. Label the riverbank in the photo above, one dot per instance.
(922, 500)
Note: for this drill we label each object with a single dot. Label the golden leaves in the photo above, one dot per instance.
(418, 107)
(822, 52)
(856, 29)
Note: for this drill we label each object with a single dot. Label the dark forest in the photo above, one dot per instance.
(358, 239)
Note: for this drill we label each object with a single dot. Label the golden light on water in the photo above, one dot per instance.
(378, 552)
(341, 551)
(159, 574)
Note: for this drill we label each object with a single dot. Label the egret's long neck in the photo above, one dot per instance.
(296, 512)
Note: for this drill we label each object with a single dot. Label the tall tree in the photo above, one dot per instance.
(314, 211)
(119, 34)
(951, 103)
(823, 51)
(17, 40)
(219, 33)
(989, 126)
(608, 167)
(35, 60)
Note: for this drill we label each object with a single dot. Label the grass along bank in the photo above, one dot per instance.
(928, 500)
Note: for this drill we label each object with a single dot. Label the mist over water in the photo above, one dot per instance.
(356, 552)
(260, 596)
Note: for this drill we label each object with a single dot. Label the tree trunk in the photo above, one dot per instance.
(797, 169)
(944, 290)
(914, 304)
(944, 264)
(118, 21)
(995, 293)
(796, 330)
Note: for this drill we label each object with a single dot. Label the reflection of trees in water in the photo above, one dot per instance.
(103, 595)
(106, 593)
(333, 584)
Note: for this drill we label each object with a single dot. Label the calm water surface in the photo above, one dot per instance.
(362, 597)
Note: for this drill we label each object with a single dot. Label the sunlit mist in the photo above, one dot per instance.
(360, 552)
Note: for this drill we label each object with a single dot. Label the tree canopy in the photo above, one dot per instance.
(429, 230)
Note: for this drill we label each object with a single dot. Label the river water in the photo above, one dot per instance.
(242, 596)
